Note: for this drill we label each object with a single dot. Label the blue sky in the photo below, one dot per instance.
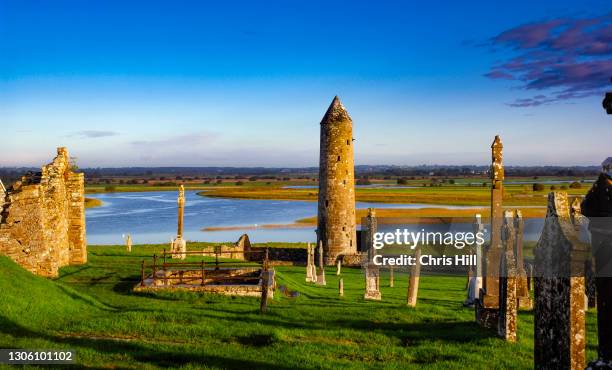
(246, 83)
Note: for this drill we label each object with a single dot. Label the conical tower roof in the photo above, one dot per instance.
(336, 112)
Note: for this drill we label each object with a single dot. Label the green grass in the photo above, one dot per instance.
(92, 310)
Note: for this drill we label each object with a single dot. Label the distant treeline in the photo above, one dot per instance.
(9, 175)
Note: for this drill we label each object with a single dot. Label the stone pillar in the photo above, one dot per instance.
(179, 245)
(181, 211)
(372, 280)
(336, 209)
(341, 287)
(488, 304)
(321, 270)
(522, 288)
(338, 266)
(391, 277)
(413, 283)
(559, 333)
(508, 282)
(371, 226)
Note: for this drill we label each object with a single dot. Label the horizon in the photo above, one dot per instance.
(148, 85)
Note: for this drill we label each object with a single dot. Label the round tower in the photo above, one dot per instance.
(336, 216)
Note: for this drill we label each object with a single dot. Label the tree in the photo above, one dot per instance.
(538, 187)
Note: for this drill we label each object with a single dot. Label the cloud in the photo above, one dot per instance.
(562, 59)
(201, 138)
(93, 134)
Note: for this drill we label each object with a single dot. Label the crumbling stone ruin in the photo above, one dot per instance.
(42, 218)
(336, 215)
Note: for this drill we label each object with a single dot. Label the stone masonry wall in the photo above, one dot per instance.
(42, 222)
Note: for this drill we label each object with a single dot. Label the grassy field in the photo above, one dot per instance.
(459, 193)
(92, 310)
(464, 191)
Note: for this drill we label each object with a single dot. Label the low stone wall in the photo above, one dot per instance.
(42, 218)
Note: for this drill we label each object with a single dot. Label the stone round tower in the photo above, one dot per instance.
(336, 215)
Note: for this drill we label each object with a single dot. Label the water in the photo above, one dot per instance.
(151, 217)
(371, 186)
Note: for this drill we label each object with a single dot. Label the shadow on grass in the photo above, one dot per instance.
(141, 353)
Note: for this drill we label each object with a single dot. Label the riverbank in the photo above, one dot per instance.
(93, 203)
(404, 216)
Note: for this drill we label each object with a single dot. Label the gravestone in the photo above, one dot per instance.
(413, 282)
(391, 277)
(321, 269)
(597, 207)
(559, 333)
(488, 302)
(475, 272)
(522, 287)
(179, 245)
(508, 282)
(128, 242)
(310, 275)
(338, 266)
(341, 287)
(372, 277)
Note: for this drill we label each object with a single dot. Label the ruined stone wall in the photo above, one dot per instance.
(42, 227)
(336, 209)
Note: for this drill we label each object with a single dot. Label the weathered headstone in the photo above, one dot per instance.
(321, 269)
(559, 333)
(597, 207)
(508, 282)
(391, 277)
(128, 242)
(522, 288)
(372, 280)
(475, 272)
(413, 282)
(341, 287)
(488, 302)
(310, 276)
(338, 266)
(179, 245)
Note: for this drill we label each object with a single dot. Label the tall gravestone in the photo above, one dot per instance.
(321, 269)
(311, 277)
(179, 245)
(597, 207)
(522, 287)
(413, 282)
(559, 330)
(488, 302)
(508, 282)
(372, 271)
(475, 281)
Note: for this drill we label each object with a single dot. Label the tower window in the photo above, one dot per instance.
(348, 142)
(338, 158)
(326, 202)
